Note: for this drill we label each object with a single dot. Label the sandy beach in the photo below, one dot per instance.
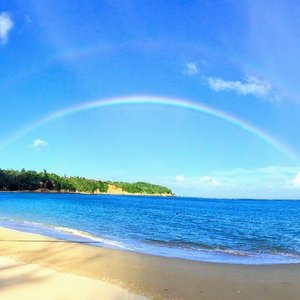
(31, 281)
(33, 265)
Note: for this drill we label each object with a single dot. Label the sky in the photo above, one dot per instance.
(223, 75)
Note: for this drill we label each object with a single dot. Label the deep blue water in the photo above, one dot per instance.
(235, 231)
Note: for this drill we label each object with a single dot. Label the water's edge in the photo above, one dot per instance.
(211, 230)
(203, 255)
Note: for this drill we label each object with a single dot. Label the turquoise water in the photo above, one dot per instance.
(229, 231)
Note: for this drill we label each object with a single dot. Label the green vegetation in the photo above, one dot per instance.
(11, 180)
(142, 188)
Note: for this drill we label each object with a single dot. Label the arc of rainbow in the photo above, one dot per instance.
(175, 102)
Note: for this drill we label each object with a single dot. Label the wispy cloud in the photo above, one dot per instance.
(6, 24)
(250, 86)
(180, 178)
(209, 180)
(277, 182)
(296, 180)
(267, 176)
(38, 144)
(197, 181)
(191, 69)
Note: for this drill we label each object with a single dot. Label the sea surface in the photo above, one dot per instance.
(214, 230)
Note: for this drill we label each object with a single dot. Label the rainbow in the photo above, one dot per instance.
(156, 100)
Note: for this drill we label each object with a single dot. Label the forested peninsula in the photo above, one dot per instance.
(33, 181)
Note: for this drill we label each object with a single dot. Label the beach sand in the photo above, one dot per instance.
(31, 281)
(33, 265)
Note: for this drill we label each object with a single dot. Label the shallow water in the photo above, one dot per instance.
(229, 231)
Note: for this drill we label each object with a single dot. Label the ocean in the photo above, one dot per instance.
(212, 230)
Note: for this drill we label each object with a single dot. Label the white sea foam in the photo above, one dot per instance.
(73, 232)
(231, 252)
(233, 256)
(87, 235)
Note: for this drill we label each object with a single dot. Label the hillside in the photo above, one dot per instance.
(12, 180)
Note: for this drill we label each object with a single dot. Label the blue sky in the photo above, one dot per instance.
(237, 57)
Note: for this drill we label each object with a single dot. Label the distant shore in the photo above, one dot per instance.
(151, 276)
(30, 180)
(88, 193)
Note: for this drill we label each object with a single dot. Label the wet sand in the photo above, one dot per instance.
(151, 276)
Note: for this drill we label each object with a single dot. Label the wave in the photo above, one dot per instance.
(180, 249)
(19, 224)
(87, 235)
(201, 247)
(209, 253)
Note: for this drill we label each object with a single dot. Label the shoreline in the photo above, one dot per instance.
(154, 276)
(71, 235)
(68, 234)
(149, 195)
(88, 193)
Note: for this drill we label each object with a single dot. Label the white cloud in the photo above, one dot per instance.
(296, 180)
(271, 182)
(6, 24)
(38, 144)
(251, 86)
(180, 178)
(191, 69)
(197, 182)
(209, 180)
(271, 176)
